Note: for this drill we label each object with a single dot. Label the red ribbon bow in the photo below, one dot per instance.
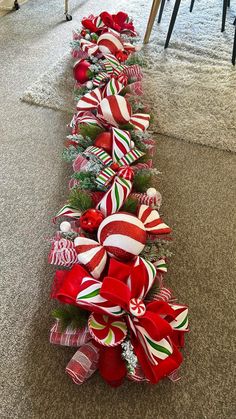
(154, 327)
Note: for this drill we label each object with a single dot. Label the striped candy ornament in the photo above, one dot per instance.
(91, 255)
(89, 47)
(151, 201)
(89, 297)
(115, 197)
(85, 117)
(137, 307)
(106, 330)
(62, 253)
(123, 235)
(109, 43)
(116, 110)
(148, 276)
(90, 101)
(113, 87)
(121, 144)
(152, 221)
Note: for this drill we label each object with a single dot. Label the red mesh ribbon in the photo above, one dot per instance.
(84, 363)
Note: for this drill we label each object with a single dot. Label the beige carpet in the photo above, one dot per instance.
(198, 202)
(190, 87)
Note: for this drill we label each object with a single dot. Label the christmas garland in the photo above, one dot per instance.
(112, 254)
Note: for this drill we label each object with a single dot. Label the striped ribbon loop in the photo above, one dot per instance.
(152, 220)
(105, 176)
(115, 197)
(89, 47)
(140, 121)
(102, 155)
(67, 211)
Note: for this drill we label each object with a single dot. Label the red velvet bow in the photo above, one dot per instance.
(150, 330)
(119, 22)
(154, 327)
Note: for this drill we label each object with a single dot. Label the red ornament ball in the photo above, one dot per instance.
(104, 140)
(90, 220)
(123, 235)
(81, 71)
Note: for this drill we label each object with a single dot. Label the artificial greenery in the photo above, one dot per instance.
(90, 131)
(70, 153)
(80, 199)
(155, 250)
(70, 315)
(130, 205)
(152, 292)
(87, 180)
(142, 180)
(136, 59)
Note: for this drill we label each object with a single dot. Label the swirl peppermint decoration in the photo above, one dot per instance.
(110, 247)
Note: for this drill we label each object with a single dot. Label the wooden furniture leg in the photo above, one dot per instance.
(152, 17)
(172, 22)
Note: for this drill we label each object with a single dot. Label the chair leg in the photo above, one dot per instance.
(161, 10)
(225, 4)
(172, 22)
(234, 46)
(152, 17)
(191, 5)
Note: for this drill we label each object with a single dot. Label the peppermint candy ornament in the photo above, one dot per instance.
(122, 235)
(115, 109)
(106, 330)
(109, 43)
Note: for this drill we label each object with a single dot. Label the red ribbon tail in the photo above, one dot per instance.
(111, 365)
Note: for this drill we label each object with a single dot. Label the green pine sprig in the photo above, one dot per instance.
(72, 316)
(130, 205)
(142, 180)
(80, 199)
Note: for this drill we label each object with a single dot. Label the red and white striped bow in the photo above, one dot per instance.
(107, 43)
(112, 108)
(123, 154)
(113, 68)
(93, 254)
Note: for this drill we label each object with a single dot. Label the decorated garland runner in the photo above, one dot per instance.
(114, 306)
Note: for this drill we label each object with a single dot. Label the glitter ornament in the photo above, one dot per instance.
(82, 72)
(90, 220)
(104, 140)
(123, 235)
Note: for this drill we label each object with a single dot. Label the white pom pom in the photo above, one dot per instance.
(89, 84)
(65, 227)
(131, 144)
(151, 192)
(87, 36)
(138, 47)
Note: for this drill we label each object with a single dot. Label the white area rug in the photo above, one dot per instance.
(191, 86)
